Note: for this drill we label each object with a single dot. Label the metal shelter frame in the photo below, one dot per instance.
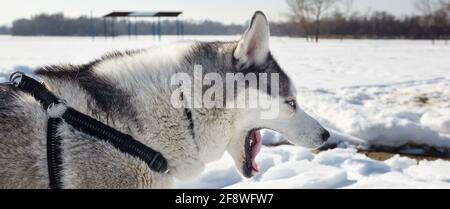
(156, 27)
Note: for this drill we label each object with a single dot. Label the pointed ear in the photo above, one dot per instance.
(253, 48)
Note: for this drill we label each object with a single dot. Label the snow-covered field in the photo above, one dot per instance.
(366, 92)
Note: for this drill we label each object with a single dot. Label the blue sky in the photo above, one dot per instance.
(228, 11)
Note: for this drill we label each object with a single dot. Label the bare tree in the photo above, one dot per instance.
(310, 13)
(348, 7)
(300, 14)
(347, 11)
(318, 10)
(443, 15)
(427, 8)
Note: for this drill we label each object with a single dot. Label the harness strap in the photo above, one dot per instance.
(35, 88)
(83, 123)
(188, 114)
(120, 141)
(54, 153)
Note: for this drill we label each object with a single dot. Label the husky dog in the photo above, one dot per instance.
(131, 92)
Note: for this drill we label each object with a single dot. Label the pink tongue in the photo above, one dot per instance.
(256, 147)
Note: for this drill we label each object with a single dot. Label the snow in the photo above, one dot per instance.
(366, 92)
(390, 115)
(285, 167)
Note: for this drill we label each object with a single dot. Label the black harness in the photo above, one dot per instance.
(83, 123)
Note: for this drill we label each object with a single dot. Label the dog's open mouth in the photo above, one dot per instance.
(252, 148)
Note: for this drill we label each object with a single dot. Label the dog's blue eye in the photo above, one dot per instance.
(292, 103)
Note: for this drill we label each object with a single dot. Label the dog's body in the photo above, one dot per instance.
(132, 93)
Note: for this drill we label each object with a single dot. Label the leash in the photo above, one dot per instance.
(58, 112)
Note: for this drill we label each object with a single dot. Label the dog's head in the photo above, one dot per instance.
(252, 55)
(256, 75)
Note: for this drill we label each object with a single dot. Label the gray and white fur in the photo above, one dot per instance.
(131, 92)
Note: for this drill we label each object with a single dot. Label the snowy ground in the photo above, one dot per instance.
(366, 92)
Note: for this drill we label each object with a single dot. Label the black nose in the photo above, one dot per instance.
(325, 135)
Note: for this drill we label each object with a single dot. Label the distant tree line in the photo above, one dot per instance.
(59, 25)
(307, 18)
(4, 30)
(336, 18)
